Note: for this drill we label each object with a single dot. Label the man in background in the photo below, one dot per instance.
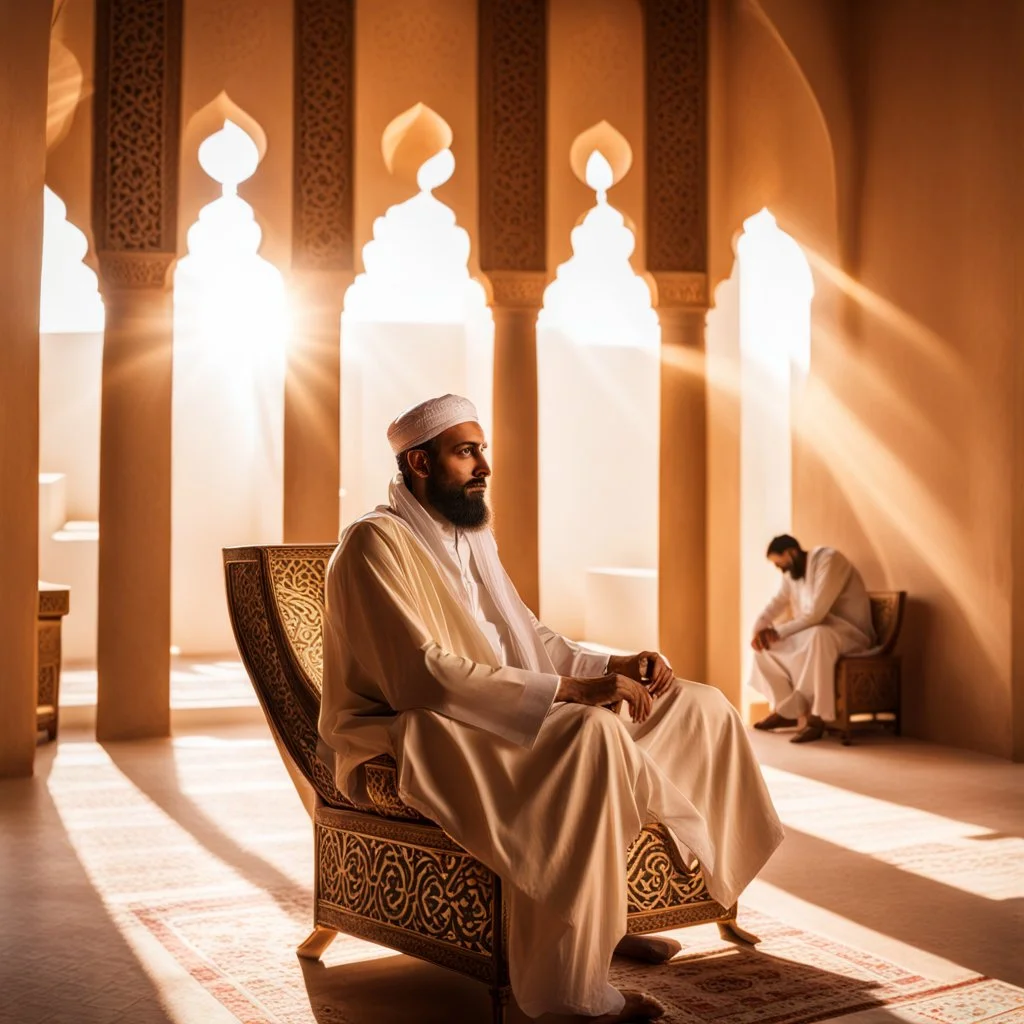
(821, 612)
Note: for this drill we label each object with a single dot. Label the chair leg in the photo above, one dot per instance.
(729, 929)
(499, 1004)
(316, 944)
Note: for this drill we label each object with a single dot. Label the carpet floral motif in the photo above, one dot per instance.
(243, 956)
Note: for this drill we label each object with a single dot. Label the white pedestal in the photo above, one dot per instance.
(622, 608)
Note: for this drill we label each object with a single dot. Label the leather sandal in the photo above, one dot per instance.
(809, 733)
(775, 721)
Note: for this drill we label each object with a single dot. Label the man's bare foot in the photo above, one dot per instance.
(639, 1006)
(652, 949)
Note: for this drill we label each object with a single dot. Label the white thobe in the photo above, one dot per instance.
(819, 618)
(548, 795)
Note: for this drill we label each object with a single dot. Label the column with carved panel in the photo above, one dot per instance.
(513, 254)
(138, 71)
(24, 55)
(322, 265)
(675, 34)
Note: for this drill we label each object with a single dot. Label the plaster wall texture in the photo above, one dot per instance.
(241, 48)
(925, 457)
(769, 147)
(894, 164)
(595, 73)
(69, 157)
(408, 52)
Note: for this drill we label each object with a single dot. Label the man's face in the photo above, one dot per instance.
(792, 561)
(456, 483)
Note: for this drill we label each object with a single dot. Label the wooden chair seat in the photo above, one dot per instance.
(868, 685)
(275, 597)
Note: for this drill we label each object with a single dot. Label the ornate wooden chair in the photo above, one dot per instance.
(387, 874)
(54, 604)
(868, 685)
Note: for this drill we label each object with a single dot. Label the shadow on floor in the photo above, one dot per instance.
(959, 784)
(735, 986)
(62, 956)
(971, 930)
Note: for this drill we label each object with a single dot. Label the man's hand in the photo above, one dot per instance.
(606, 690)
(647, 667)
(764, 638)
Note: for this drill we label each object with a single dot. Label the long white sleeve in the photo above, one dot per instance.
(831, 572)
(568, 657)
(775, 608)
(373, 618)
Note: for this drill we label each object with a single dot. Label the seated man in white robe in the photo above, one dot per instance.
(820, 613)
(501, 735)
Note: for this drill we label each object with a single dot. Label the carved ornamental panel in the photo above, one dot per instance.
(137, 117)
(675, 37)
(322, 234)
(513, 134)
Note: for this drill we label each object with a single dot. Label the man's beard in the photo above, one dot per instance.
(798, 568)
(462, 509)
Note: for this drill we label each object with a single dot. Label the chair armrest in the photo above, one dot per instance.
(380, 775)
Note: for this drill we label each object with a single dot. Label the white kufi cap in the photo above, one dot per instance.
(422, 422)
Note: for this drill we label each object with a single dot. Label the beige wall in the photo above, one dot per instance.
(924, 447)
(769, 147)
(242, 48)
(595, 73)
(902, 192)
(407, 52)
(69, 160)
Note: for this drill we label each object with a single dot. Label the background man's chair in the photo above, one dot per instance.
(868, 685)
(385, 873)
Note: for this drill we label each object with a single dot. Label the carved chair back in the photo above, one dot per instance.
(275, 599)
(887, 616)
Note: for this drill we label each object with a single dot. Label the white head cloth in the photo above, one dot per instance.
(422, 422)
(530, 652)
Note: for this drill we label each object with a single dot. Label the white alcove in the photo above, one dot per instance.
(415, 323)
(71, 319)
(598, 362)
(231, 326)
(763, 311)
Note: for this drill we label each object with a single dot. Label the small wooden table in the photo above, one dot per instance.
(54, 604)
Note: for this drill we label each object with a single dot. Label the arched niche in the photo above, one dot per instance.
(71, 321)
(196, 188)
(231, 327)
(69, 114)
(775, 153)
(595, 73)
(415, 324)
(598, 368)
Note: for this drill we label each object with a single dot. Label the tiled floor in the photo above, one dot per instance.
(908, 851)
(195, 682)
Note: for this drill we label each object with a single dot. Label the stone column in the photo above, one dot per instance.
(682, 550)
(322, 261)
(24, 55)
(515, 492)
(312, 409)
(675, 44)
(134, 615)
(138, 71)
(513, 253)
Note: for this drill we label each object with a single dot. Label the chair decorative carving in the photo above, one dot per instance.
(54, 604)
(869, 684)
(386, 873)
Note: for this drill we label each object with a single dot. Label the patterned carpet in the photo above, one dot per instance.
(202, 846)
(243, 956)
